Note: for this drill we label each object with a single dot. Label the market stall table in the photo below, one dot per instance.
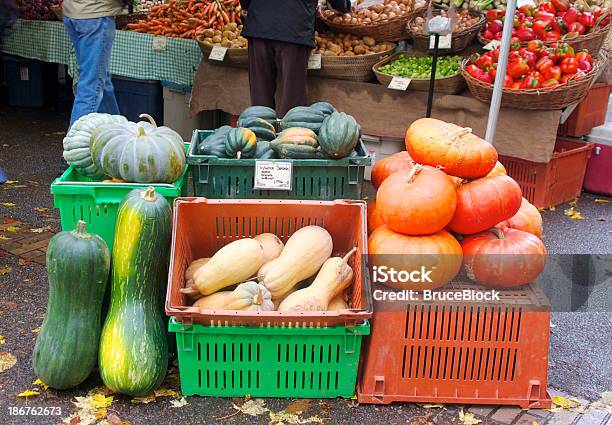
(525, 134)
(134, 55)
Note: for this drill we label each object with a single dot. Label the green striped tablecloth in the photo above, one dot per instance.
(134, 55)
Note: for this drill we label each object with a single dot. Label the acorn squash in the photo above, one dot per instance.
(303, 116)
(240, 143)
(324, 107)
(262, 112)
(215, 143)
(262, 128)
(339, 135)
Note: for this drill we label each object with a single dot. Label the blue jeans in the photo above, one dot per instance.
(92, 40)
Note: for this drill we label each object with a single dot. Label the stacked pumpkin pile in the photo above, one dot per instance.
(447, 202)
(268, 274)
(317, 131)
(100, 145)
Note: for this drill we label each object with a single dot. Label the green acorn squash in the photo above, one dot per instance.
(326, 108)
(133, 346)
(303, 116)
(215, 143)
(66, 348)
(262, 112)
(339, 135)
(139, 152)
(262, 128)
(77, 142)
(296, 143)
(264, 151)
(240, 143)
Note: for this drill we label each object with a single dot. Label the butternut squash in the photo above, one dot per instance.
(304, 254)
(248, 296)
(234, 263)
(272, 246)
(189, 289)
(338, 303)
(335, 276)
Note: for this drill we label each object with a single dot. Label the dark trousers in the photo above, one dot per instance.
(270, 61)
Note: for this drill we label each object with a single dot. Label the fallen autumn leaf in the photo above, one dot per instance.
(7, 361)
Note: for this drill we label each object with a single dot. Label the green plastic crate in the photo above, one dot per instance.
(81, 198)
(235, 361)
(315, 179)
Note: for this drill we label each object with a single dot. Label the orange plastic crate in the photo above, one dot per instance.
(459, 352)
(201, 226)
(553, 183)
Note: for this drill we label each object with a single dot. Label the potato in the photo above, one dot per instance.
(359, 50)
(226, 43)
(209, 32)
(232, 26)
(230, 35)
(369, 41)
(208, 40)
(334, 48)
(217, 39)
(349, 54)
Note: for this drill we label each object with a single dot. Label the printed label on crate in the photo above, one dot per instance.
(160, 42)
(314, 61)
(399, 83)
(444, 43)
(24, 73)
(273, 175)
(217, 53)
(492, 45)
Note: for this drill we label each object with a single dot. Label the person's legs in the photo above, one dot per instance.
(92, 40)
(262, 72)
(109, 102)
(292, 65)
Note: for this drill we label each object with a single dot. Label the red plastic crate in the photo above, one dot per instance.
(589, 113)
(553, 183)
(201, 226)
(459, 352)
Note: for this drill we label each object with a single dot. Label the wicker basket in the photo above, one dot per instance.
(461, 40)
(394, 29)
(448, 85)
(122, 21)
(57, 11)
(233, 57)
(591, 42)
(352, 68)
(554, 98)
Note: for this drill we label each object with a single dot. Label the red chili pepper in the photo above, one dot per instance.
(552, 73)
(576, 27)
(587, 19)
(547, 7)
(569, 65)
(543, 64)
(571, 15)
(550, 83)
(561, 5)
(583, 55)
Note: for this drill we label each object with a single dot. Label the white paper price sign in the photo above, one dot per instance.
(314, 61)
(521, 3)
(159, 43)
(492, 45)
(273, 175)
(444, 42)
(217, 53)
(399, 83)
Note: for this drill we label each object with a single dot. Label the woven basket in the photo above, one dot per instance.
(394, 29)
(122, 21)
(461, 40)
(57, 11)
(233, 57)
(352, 68)
(448, 85)
(591, 42)
(554, 98)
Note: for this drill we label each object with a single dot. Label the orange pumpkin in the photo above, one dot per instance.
(420, 201)
(483, 203)
(389, 165)
(459, 152)
(503, 258)
(374, 217)
(527, 219)
(498, 170)
(440, 253)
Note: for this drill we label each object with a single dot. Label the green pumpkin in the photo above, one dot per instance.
(66, 348)
(77, 142)
(139, 152)
(262, 128)
(263, 112)
(339, 135)
(264, 151)
(240, 143)
(133, 354)
(215, 143)
(326, 108)
(303, 116)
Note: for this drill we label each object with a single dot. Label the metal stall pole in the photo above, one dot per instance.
(432, 79)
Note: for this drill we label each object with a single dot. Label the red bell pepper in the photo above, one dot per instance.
(547, 7)
(533, 81)
(565, 51)
(531, 58)
(517, 68)
(566, 78)
(495, 26)
(527, 9)
(550, 83)
(561, 5)
(569, 65)
(576, 27)
(571, 15)
(484, 62)
(488, 35)
(543, 64)
(494, 54)
(473, 70)
(493, 14)
(485, 77)
(587, 19)
(552, 73)
(583, 56)
(535, 46)
(558, 25)
(540, 27)
(542, 15)
(585, 66)
(602, 17)
(552, 36)
(526, 34)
